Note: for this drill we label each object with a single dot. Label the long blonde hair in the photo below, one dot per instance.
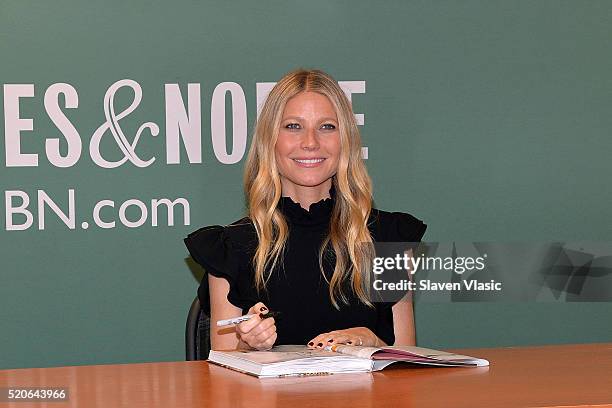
(348, 236)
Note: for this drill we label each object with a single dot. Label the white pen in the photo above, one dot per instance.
(240, 319)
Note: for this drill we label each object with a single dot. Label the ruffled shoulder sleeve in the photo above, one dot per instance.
(396, 227)
(222, 252)
(393, 227)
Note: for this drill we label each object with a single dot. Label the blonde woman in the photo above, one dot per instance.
(304, 247)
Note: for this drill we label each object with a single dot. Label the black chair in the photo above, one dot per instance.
(197, 333)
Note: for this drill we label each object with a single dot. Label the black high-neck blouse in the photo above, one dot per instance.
(296, 287)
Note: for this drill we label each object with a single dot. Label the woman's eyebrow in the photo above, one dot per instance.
(301, 118)
(329, 118)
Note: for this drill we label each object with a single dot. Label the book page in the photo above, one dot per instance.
(356, 351)
(421, 354)
(277, 354)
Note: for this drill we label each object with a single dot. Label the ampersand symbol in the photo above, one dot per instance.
(112, 123)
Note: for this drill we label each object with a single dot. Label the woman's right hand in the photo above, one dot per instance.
(257, 333)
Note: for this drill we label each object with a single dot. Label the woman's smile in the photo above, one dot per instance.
(309, 163)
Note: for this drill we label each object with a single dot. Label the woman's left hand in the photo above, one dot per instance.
(355, 336)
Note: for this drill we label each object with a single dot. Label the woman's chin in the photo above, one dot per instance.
(310, 182)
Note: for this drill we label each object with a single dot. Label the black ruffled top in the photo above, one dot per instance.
(296, 287)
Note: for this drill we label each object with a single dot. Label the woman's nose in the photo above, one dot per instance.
(310, 140)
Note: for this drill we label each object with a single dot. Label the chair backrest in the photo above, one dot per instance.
(197, 333)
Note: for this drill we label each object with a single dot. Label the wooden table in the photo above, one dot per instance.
(546, 376)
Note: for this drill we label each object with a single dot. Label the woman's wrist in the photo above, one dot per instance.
(243, 346)
(379, 342)
(370, 338)
(375, 340)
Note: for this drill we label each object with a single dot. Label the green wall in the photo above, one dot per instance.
(489, 120)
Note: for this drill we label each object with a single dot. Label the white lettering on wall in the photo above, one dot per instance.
(262, 90)
(155, 203)
(349, 88)
(127, 148)
(13, 125)
(143, 213)
(239, 122)
(63, 124)
(69, 220)
(96, 214)
(11, 210)
(183, 125)
(19, 217)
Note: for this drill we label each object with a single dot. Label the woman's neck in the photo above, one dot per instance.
(305, 196)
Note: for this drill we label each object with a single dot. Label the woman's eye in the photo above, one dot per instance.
(292, 126)
(328, 126)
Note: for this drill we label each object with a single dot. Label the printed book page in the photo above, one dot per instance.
(409, 353)
(281, 354)
(437, 355)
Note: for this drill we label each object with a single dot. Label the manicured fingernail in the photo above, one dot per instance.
(263, 308)
(320, 345)
(311, 343)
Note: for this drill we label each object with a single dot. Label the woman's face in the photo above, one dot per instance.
(308, 146)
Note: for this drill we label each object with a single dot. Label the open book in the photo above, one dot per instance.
(288, 360)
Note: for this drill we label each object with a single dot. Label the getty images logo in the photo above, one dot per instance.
(183, 124)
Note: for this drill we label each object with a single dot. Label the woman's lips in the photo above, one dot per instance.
(309, 162)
